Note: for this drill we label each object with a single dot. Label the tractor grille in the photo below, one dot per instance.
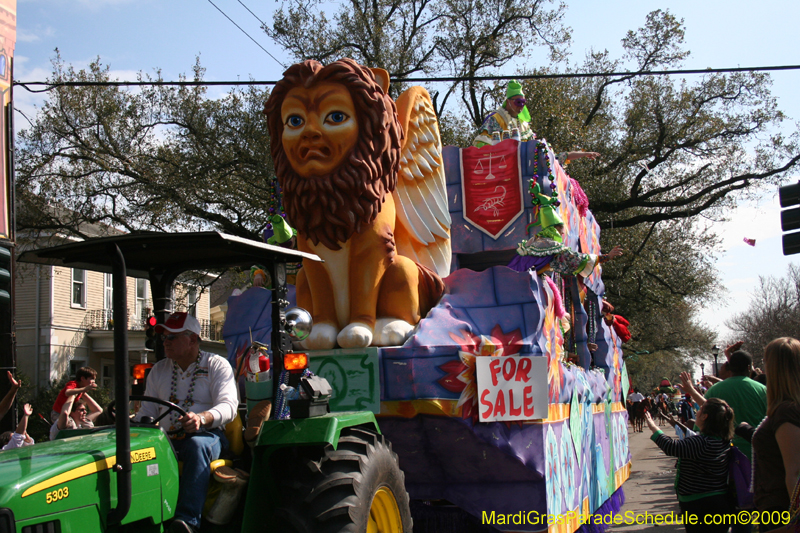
(7, 521)
(53, 526)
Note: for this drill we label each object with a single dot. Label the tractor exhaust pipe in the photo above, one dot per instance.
(121, 368)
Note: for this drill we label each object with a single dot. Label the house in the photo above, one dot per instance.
(64, 320)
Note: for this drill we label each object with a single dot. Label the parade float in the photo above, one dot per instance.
(481, 377)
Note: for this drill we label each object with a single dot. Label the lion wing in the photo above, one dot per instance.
(423, 229)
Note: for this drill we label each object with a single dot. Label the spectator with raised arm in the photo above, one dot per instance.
(76, 415)
(19, 437)
(701, 480)
(83, 383)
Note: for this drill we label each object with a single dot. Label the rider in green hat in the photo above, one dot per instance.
(513, 114)
(547, 251)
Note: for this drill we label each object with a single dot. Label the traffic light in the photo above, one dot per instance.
(790, 218)
(5, 276)
(150, 333)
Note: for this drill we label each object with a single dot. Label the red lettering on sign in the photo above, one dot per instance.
(527, 401)
(511, 410)
(500, 404)
(494, 368)
(509, 367)
(523, 369)
(487, 404)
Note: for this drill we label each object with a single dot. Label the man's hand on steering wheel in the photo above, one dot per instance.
(190, 422)
(170, 407)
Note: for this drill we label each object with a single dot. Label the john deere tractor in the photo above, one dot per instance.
(327, 473)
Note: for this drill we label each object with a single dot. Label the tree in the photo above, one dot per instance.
(161, 158)
(455, 38)
(673, 154)
(774, 311)
(673, 150)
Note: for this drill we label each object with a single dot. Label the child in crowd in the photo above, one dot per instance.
(20, 437)
(702, 476)
(84, 381)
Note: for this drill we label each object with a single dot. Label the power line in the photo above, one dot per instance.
(251, 12)
(49, 85)
(248, 35)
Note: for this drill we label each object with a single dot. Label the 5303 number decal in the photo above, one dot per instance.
(55, 495)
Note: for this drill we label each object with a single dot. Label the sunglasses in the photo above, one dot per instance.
(80, 410)
(519, 101)
(173, 336)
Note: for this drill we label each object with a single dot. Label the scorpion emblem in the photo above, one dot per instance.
(492, 203)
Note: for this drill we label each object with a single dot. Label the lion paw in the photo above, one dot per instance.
(322, 337)
(391, 331)
(355, 335)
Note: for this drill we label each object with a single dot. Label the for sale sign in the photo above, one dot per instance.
(512, 387)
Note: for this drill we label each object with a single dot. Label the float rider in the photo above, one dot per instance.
(514, 114)
(547, 251)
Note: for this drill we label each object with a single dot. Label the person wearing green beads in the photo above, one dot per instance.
(513, 114)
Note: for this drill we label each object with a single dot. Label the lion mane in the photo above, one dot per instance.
(330, 209)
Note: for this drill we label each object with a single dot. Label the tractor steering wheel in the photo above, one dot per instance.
(169, 405)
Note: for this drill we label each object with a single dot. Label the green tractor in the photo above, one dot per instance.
(328, 473)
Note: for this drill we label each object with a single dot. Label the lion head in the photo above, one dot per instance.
(331, 206)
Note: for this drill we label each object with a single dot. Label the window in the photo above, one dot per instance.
(108, 292)
(74, 365)
(191, 301)
(106, 374)
(78, 287)
(141, 297)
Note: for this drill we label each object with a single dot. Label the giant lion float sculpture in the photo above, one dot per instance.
(363, 183)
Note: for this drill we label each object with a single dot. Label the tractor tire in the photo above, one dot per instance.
(356, 488)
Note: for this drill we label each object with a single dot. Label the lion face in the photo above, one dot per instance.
(319, 128)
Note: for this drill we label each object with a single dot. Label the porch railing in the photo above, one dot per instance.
(104, 319)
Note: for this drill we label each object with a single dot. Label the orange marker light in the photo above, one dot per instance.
(139, 371)
(295, 361)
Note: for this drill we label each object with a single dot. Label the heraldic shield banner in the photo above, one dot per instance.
(491, 186)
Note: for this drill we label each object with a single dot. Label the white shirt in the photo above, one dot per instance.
(17, 441)
(214, 390)
(636, 397)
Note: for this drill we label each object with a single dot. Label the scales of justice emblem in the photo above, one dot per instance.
(492, 187)
(494, 201)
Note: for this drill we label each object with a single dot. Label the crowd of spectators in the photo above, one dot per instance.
(747, 419)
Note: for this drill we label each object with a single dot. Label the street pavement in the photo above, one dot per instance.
(650, 487)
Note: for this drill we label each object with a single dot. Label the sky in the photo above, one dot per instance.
(143, 35)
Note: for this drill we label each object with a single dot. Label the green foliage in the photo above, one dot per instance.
(648, 369)
(161, 158)
(43, 401)
(459, 38)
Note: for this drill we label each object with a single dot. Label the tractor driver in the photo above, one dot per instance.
(202, 384)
